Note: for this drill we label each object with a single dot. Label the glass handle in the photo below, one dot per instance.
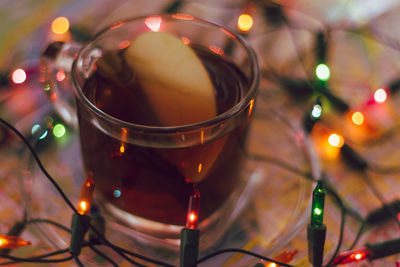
(55, 72)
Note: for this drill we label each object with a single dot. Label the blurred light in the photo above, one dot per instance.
(153, 23)
(85, 197)
(43, 135)
(322, 71)
(122, 148)
(245, 22)
(200, 168)
(335, 140)
(35, 129)
(60, 25)
(317, 211)
(182, 16)
(192, 218)
(18, 76)
(251, 106)
(380, 95)
(124, 44)
(47, 87)
(185, 40)
(357, 118)
(316, 111)
(59, 130)
(12, 242)
(117, 193)
(83, 206)
(271, 264)
(217, 50)
(352, 256)
(60, 75)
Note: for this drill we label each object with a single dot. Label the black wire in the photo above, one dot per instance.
(35, 260)
(39, 257)
(238, 250)
(54, 223)
(66, 199)
(145, 258)
(78, 261)
(361, 230)
(44, 171)
(379, 196)
(342, 222)
(330, 188)
(280, 163)
(104, 256)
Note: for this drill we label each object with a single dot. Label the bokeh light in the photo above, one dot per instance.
(59, 130)
(18, 76)
(323, 72)
(335, 140)
(153, 23)
(117, 193)
(60, 75)
(316, 111)
(245, 22)
(357, 118)
(60, 25)
(380, 95)
(35, 129)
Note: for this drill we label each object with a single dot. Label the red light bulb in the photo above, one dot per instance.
(193, 210)
(86, 196)
(352, 256)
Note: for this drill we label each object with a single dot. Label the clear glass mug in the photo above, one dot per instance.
(144, 174)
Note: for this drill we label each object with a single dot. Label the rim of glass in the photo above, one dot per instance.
(253, 85)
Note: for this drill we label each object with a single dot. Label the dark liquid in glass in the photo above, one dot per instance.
(148, 181)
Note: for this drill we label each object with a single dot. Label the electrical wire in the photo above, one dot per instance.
(361, 230)
(242, 251)
(342, 223)
(66, 199)
(78, 261)
(378, 195)
(103, 255)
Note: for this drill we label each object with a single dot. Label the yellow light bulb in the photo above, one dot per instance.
(357, 118)
(60, 25)
(335, 140)
(245, 22)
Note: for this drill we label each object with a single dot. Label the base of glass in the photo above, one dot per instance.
(167, 236)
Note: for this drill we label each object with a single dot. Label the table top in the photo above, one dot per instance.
(363, 55)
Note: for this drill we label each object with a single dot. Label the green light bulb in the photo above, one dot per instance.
(322, 72)
(59, 130)
(318, 201)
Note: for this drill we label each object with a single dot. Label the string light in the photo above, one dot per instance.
(284, 257)
(352, 256)
(323, 72)
(245, 22)
(59, 130)
(316, 229)
(189, 249)
(316, 111)
(380, 96)
(335, 140)
(12, 242)
(357, 118)
(60, 25)
(193, 210)
(85, 197)
(313, 116)
(18, 76)
(317, 212)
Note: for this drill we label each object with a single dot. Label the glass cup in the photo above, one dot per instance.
(144, 173)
